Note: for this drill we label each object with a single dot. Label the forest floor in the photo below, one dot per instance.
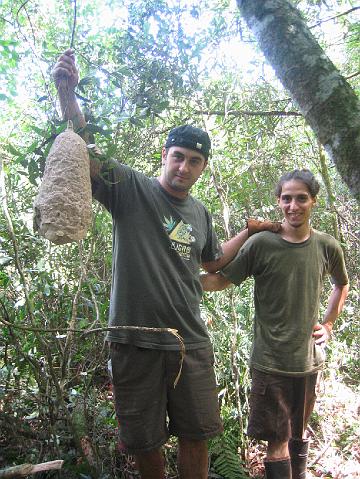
(334, 433)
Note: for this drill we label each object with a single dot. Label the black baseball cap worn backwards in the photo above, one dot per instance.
(190, 137)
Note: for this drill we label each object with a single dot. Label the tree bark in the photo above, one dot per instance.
(324, 97)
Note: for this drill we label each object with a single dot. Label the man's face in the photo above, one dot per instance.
(296, 203)
(181, 169)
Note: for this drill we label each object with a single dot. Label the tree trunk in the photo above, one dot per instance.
(324, 97)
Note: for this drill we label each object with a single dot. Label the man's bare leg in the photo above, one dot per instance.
(277, 462)
(193, 459)
(151, 465)
(277, 450)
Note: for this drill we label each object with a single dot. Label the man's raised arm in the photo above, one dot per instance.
(232, 246)
(230, 249)
(66, 77)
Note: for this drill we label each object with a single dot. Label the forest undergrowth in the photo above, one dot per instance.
(334, 433)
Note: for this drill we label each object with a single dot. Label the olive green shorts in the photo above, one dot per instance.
(280, 406)
(148, 406)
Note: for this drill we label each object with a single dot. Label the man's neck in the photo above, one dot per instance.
(295, 235)
(181, 195)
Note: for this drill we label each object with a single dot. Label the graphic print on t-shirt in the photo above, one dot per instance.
(180, 235)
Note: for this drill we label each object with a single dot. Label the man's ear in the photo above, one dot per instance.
(163, 155)
(205, 165)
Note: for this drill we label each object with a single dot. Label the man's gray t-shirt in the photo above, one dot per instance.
(159, 242)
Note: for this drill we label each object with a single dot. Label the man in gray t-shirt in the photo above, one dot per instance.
(287, 351)
(161, 237)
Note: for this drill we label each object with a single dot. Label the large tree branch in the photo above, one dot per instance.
(323, 95)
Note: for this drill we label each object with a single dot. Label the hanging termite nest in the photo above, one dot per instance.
(63, 205)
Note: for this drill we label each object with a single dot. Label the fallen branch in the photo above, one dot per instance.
(26, 469)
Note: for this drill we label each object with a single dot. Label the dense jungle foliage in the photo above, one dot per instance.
(145, 67)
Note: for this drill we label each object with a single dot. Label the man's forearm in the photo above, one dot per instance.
(69, 106)
(335, 305)
(214, 282)
(71, 111)
(66, 77)
(230, 249)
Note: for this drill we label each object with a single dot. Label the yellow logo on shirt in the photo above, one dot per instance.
(180, 235)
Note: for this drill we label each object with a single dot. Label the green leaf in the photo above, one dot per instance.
(11, 149)
(4, 279)
(34, 173)
(97, 129)
(62, 127)
(40, 131)
(32, 147)
(136, 122)
(87, 80)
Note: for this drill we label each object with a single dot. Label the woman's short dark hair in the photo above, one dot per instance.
(306, 176)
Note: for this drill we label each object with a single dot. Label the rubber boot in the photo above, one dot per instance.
(278, 469)
(298, 449)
